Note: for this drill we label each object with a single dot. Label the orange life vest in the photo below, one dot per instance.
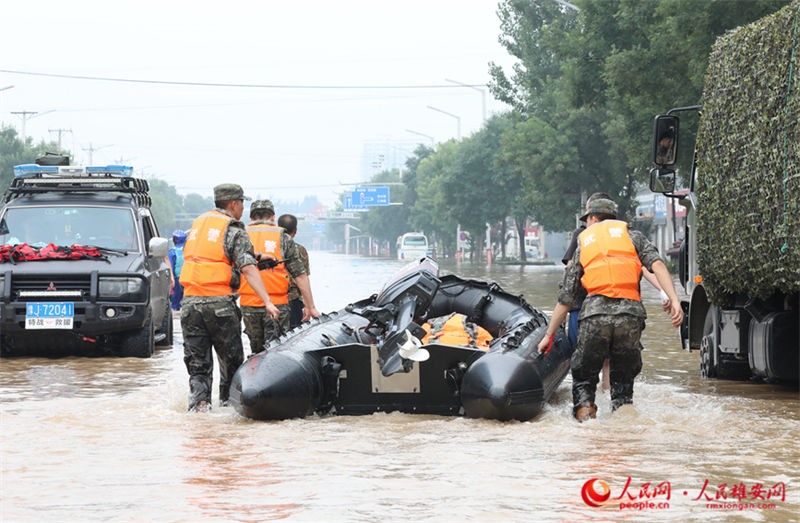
(611, 266)
(267, 240)
(206, 268)
(454, 332)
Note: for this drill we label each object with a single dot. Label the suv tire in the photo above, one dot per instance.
(139, 343)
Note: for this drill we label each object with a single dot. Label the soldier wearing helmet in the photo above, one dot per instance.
(273, 241)
(608, 264)
(217, 254)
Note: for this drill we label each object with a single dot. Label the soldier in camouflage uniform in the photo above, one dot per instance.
(260, 327)
(612, 316)
(289, 223)
(217, 253)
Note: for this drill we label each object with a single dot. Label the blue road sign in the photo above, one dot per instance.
(370, 196)
(350, 206)
(318, 227)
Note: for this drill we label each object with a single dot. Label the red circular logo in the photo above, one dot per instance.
(595, 492)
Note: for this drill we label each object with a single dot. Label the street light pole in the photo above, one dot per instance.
(347, 228)
(6, 88)
(458, 119)
(482, 91)
(421, 134)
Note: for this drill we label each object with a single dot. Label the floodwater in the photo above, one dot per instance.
(103, 439)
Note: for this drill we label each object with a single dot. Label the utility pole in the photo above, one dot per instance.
(60, 132)
(27, 115)
(125, 161)
(92, 149)
(24, 115)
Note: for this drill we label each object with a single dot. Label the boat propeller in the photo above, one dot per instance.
(411, 349)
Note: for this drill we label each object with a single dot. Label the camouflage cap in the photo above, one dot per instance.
(262, 205)
(229, 191)
(600, 206)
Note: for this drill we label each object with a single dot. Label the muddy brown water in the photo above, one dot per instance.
(105, 439)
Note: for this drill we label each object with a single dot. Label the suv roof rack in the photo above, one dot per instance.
(37, 179)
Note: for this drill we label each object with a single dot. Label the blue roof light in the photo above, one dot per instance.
(119, 170)
(31, 169)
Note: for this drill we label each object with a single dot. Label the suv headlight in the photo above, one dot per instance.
(130, 289)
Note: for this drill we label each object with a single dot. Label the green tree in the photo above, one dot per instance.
(193, 203)
(166, 203)
(14, 152)
(387, 223)
(477, 184)
(527, 34)
(431, 213)
(591, 82)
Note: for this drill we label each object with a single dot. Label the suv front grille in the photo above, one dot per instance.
(55, 289)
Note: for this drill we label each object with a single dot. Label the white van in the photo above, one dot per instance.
(412, 246)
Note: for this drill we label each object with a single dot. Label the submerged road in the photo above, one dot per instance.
(96, 439)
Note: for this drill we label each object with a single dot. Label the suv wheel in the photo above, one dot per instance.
(139, 343)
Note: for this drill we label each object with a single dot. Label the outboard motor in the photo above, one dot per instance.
(404, 298)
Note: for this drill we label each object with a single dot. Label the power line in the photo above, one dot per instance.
(221, 84)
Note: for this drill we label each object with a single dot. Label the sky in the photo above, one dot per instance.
(281, 142)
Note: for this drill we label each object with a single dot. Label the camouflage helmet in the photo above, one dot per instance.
(229, 191)
(600, 206)
(262, 205)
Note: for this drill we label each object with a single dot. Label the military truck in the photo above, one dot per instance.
(82, 267)
(740, 257)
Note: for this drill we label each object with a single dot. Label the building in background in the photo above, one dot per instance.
(383, 155)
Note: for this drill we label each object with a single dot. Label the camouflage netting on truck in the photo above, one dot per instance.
(748, 160)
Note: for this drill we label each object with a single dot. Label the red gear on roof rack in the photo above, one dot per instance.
(24, 252)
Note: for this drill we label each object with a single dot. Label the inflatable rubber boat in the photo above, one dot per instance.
(368, 357)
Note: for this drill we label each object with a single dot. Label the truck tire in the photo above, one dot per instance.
(166, 329)
(708, 346)
(139, 343)
(713, 363)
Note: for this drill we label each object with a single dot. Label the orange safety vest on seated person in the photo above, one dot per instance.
(206, 268)
(611, 266)
(453, 332)
(267, 240)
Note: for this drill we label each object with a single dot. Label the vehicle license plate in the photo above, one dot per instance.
(49, 315)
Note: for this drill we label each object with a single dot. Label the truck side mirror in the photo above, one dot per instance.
(662, 180)
(665, 140)
(158, 248)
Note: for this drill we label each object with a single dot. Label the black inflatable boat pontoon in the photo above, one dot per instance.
(367, 357)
